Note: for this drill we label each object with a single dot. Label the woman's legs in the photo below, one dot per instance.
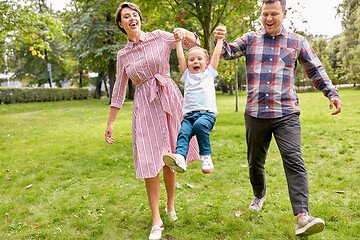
(169, 179)
(153, 192)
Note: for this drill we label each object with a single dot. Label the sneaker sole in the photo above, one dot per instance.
(313, 227)
(171, 163)
(207, 171)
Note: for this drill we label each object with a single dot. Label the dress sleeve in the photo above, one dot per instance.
(119, 91)
(169, 37)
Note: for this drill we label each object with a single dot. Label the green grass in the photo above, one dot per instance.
(82, 188)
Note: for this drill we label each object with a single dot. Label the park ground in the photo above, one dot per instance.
(60, 180)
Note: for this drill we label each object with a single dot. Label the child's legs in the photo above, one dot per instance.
(184, 136)
(201, 128)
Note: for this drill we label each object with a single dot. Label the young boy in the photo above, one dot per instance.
(199, 109)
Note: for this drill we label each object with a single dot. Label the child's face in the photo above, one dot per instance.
(197, 61)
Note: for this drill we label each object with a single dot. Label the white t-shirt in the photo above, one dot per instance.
(199, 91)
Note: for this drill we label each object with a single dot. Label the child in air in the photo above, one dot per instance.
(199, 108)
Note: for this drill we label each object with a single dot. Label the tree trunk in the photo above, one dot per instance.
(224, 88)
(80, 78)
(231, 88)
(98, 83)
(236, 87)
(112, 76)
(106, 89)
(206, 24)
(46, 62)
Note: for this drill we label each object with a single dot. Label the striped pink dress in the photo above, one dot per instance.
(157, 101)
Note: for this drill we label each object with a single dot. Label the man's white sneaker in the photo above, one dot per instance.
(155, 233)
(207, 165)
(256, 204)
(175, 161)
(307, 225)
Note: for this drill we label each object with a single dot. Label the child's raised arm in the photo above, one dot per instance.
(180, 51)
(217, 53)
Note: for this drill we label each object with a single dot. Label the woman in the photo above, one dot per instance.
(156, 108)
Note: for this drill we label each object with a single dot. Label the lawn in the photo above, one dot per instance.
(60, 180)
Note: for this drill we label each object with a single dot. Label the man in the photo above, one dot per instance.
(273, 106)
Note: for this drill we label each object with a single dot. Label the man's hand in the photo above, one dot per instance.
(338, 105)
(220, 32)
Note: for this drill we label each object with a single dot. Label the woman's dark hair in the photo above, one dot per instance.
(282, 2)
(118, 13)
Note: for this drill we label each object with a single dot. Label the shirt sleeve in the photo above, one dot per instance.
(213, 73)
(316, 71)
(184, 75)
(169, 37)
(235, 49)
(119, 90)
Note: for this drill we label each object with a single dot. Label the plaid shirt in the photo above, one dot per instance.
(270, 71)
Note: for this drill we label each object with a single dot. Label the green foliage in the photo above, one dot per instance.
(79, 187)
(36, 40)
(202, 16)
(21, 95)
(349, 47)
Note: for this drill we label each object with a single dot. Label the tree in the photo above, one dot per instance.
(33, 32)
(349, 47)
(203, 16)
(94, 39)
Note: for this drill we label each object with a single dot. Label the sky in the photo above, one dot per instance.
(320, 15)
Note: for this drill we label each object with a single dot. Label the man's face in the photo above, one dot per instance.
(272, 16)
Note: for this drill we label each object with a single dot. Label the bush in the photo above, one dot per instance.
(23, 95)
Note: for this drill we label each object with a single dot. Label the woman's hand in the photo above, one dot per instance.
(108, 134)
(179, 34)
(186, 35)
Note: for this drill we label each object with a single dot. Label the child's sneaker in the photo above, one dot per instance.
(307, 225)
(175, 161)
(207, 165)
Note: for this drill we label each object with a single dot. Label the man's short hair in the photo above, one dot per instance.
(282, 2)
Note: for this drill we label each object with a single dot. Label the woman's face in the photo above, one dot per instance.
(130, 21)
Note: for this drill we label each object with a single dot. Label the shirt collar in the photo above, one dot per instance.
(142, 38)
(283, 32)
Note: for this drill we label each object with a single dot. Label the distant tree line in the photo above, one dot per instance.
(85, 39)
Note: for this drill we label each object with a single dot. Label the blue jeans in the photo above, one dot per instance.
(199, 124)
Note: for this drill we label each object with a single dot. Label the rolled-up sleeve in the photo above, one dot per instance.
(235, 49)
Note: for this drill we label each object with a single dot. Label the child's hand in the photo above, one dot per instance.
(220, 32)
(178, 35)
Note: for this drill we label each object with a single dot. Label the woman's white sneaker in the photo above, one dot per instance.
(172, 215)
(156, 232)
